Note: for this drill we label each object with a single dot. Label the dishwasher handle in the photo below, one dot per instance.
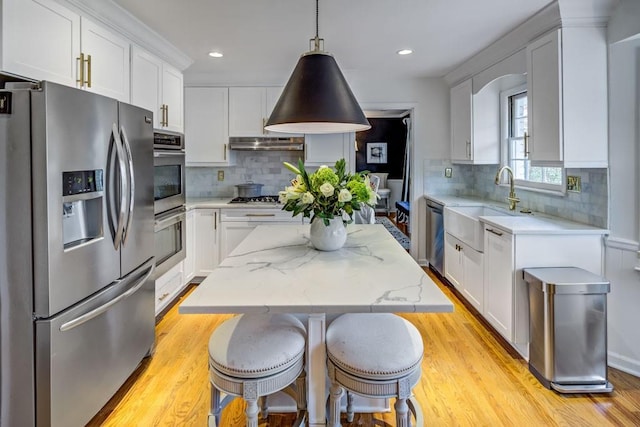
(435, 207)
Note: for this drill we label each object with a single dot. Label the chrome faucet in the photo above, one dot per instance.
(512, 192)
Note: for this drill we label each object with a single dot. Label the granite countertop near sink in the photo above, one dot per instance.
(448, 200)
(539, 224)
(223, 202)
(516, 222)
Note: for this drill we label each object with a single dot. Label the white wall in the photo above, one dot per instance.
(624, 137)
(429, 97)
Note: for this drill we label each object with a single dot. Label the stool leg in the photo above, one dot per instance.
(264, 408)
(334, 405)
(252, 412)
(215, 407)
(349, 407)
(402, 410)
(301, 391)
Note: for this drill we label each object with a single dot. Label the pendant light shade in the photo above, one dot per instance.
(317, 98)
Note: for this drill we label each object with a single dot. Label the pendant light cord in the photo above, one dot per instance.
(316, 40)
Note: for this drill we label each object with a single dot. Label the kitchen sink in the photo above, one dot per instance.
(463, 222)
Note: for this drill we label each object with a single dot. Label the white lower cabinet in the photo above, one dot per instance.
(190, 258)
(498, 280)
(506, 255)
(168, 286)
(463, 267)
(236, 224)
(206, 241)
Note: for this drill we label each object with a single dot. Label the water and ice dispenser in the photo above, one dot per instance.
(82, 202)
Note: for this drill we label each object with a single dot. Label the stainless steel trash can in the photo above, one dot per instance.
(568, 329)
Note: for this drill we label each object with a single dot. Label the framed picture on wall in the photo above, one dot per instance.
(377, 152)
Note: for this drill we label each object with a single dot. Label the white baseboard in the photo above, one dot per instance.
(623, 363)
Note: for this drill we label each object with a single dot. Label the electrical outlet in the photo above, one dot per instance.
(447, 172)
(573, 184)
(220, 175)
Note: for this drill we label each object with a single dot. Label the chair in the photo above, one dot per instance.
(375, 355)
(253, 356)
(383, 191)
(367, 214)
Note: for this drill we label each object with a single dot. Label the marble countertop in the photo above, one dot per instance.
(223, 202)
(517, 222)
(275, 269)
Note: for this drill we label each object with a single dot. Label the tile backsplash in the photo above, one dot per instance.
(261, 167)
(587, 207)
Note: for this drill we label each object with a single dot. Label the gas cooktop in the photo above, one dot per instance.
(256, 199)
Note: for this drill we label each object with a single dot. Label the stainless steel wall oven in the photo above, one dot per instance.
(169, 171)
(169, 200)
(170, 239)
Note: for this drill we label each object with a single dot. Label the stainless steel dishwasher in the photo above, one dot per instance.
(435, 236)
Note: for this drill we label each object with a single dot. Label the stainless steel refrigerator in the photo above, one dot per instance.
(76, 251)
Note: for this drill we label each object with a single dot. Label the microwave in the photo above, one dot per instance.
(165, 140)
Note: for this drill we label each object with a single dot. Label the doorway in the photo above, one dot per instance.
(385, 150)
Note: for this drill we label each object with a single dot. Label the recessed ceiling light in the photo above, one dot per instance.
(405, 52)
(215, 54)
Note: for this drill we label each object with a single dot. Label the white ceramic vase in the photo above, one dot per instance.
(328, 237)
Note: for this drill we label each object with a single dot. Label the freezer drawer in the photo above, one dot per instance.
(84, 354)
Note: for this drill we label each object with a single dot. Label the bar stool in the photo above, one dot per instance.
(375, 355)
(253, 356)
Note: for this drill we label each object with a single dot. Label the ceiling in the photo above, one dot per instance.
(262, 39)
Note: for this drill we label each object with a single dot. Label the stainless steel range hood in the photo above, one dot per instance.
(267, 143)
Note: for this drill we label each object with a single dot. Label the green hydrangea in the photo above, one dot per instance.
(323, 175)
(358, 189)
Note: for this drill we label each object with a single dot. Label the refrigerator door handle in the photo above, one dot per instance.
(150, 266)
(117, 241)
(131, 183)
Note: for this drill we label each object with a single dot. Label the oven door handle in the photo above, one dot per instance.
(168, 220)
(174, 153)
(131, 184)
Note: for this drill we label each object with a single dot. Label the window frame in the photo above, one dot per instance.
(505, 155)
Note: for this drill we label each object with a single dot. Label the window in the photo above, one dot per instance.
(525, 175)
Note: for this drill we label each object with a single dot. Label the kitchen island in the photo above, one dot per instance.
(275, 269)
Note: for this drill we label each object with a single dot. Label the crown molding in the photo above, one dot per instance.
(560, 13)
(113, 16)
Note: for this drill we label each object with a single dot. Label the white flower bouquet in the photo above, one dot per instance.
(327, 193)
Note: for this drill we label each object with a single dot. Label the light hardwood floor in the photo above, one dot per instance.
(470, 378)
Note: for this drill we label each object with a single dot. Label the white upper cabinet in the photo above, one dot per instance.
(475, 125)
(43, 40)
(158, 87)
(461, 122)
(206, 127)
(106, 62)
(567, 97)
(250, 108)
(40, 40)
(326, 149)
(172, 98)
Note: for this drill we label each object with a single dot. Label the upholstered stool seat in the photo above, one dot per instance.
(253, 356)
(374, 355)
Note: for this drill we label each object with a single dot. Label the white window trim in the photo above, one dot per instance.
(504, 150)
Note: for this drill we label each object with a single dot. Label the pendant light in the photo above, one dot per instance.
(317, 98)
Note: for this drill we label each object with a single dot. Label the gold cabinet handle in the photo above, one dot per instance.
(526, 144)
(215, 220)
(166, 294)
(88, 70)
(224, 152)
(166, 111)
(264, 123)
(259, 215)
(80, 60)
(468, 149)
(305, 151)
